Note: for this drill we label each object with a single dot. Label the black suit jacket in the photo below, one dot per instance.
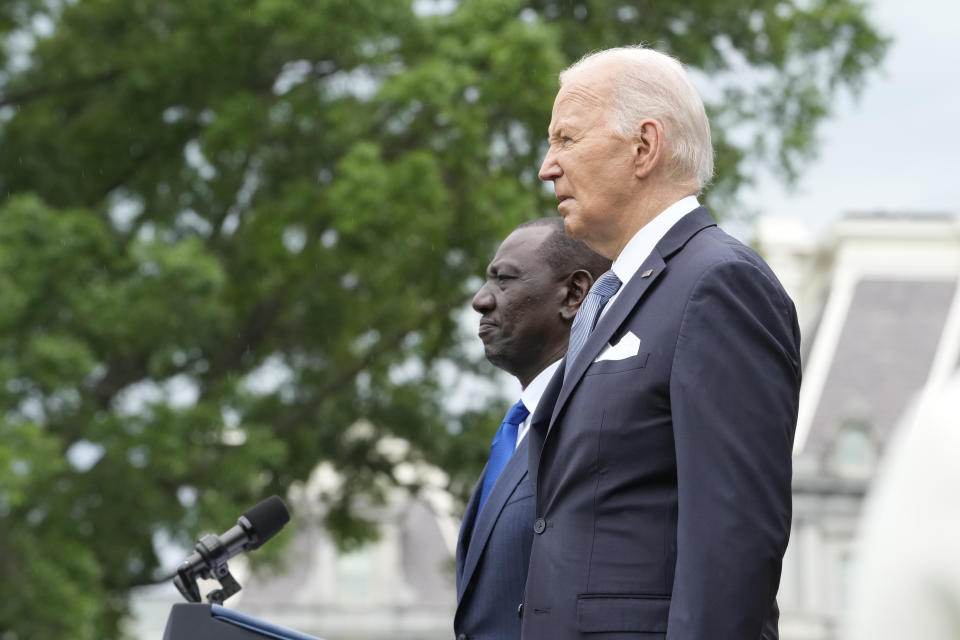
(663, 479)
(492, 554)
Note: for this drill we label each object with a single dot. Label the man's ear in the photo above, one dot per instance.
(650, 146)
(578, 286)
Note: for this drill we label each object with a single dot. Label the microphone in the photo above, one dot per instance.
(258, 524)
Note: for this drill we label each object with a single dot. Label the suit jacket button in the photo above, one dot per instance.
(520, 610)
(540, 525)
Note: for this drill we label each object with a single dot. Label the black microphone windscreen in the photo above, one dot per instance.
(267, 517)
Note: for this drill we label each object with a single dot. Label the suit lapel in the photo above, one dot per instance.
(540, 421)
(630, 297)
(466, 527)
(484, 521)
(608, 324)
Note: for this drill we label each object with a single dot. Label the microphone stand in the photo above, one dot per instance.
(213, 552)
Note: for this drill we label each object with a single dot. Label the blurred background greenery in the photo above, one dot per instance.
(231, 229)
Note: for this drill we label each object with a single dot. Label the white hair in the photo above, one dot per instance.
(650, 84)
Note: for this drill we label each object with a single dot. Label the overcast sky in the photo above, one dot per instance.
(897, 147)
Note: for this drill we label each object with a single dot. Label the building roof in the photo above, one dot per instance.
(883, 356)
(879, 307)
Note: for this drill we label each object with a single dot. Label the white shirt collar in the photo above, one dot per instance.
(531, 397)
(643, 241)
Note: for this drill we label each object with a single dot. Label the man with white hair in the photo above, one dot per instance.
(661, 450)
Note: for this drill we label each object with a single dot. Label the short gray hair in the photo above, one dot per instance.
(650, 84)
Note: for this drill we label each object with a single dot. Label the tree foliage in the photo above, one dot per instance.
(234, 232)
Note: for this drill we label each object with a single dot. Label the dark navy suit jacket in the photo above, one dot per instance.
(492, 555)
(662, 480)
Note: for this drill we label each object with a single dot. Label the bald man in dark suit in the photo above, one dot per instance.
(534, 285)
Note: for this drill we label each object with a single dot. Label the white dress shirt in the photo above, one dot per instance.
(643, 241)
(531, 397)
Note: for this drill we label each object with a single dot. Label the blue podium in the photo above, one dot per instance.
(189, 621)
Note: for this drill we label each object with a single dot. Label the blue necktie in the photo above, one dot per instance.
(504, 442)
(601, 291)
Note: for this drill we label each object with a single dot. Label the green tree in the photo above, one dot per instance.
(231, 229)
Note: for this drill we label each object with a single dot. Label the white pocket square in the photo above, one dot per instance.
(628, 347)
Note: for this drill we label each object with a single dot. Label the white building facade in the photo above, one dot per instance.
(879, 305)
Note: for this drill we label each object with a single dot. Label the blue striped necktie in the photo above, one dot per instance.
(504, 442)
(601, 292)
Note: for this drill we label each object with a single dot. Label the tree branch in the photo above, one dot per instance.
(40, 91)
(346, 376)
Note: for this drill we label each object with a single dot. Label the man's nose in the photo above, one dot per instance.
(483, 300)
(549, 169)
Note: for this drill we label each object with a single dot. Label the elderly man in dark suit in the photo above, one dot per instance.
(661, 451)
(533, 289)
